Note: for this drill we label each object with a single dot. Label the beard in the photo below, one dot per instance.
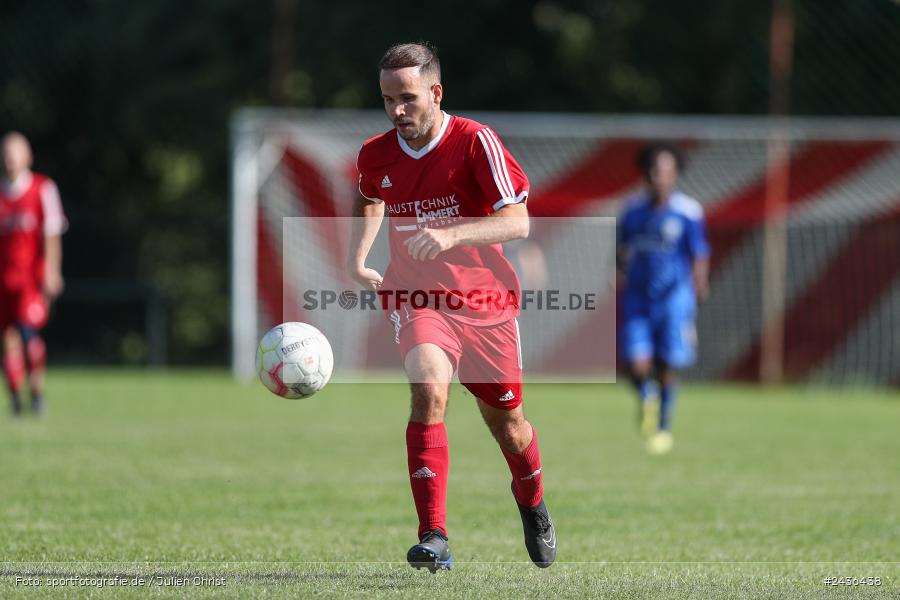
(421, 130)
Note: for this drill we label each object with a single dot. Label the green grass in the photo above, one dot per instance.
(186, 473)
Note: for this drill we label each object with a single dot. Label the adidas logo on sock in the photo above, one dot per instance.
(424, 473)
(532, 476)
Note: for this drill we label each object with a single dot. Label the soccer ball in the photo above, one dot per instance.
(294, 360)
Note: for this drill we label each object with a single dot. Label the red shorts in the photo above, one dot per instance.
(488, 359)
(24, 306)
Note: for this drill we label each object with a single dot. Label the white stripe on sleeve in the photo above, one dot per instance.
(54, 218)
(505, 201)
(359, 183)
(504, 172)
(489, 152)
(375, 200)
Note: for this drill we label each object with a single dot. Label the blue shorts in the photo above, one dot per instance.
(659, 331)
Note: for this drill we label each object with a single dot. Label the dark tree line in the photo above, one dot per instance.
(127, 104)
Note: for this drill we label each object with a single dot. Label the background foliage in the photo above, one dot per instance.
(127, 105)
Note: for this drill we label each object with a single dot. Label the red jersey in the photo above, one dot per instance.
(465, 172)
(29, 210)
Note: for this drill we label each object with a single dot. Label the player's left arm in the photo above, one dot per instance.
(508, 223)
(55, 225)
(699, 250)
(700, 275)
(53, 279)
(503, 188)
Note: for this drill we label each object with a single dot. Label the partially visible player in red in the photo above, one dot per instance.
(31, 225)
(453, 194)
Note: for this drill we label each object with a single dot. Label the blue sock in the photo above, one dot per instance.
(666, 406)
(646, 389)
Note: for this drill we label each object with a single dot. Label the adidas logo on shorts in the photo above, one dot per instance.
(508, 396)
(424, 473)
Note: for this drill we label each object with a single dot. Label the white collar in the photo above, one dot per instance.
(18, 187)
(417, 154)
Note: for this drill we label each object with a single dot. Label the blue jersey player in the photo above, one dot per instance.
(664, 255)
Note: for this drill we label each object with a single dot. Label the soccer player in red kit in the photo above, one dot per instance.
(453, 194)
(31, 224)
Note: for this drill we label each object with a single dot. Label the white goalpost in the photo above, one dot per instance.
(843, 193)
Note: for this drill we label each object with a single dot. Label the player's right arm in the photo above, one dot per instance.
(367, 217)
(368, 213)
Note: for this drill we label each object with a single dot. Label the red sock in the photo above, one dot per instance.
(429, 464)
(14, 371)
(528, 487)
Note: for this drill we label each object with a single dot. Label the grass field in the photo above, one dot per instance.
(767, 493)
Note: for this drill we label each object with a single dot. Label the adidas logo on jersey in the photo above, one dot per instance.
(424, 473)
(507, 396)
(386, 182)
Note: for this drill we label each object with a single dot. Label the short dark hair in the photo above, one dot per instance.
(417, 54)
(646, 158)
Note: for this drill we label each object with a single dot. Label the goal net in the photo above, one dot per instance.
(837, 308)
